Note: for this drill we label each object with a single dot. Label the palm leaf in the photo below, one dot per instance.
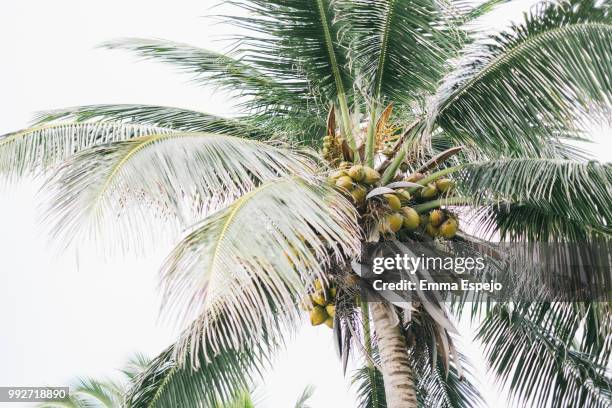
(397, 45)
(302, 401)
(533, 349)
(178, 176)
(295, 230)
(522, 88)
(159, 116)
(549, 197)
(41, 147)
(260, 91)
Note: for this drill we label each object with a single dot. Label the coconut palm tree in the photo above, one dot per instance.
(373, 120)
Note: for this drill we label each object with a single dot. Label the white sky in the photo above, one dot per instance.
(58, 320)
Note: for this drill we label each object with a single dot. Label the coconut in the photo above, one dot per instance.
(344, 165)
(330, 322)
(411, 219)
(431, 230)
(429, 191)
(331, 310)
(392, 222)
(359, 194)
(318, 315)
(436, 217)
(445, 184)
(404, 195)
(338, 173)
(318, 297)
(345, 182)
(413, 178)
(318, 285)
(393, 202)
(449, 228)
(332, 292)
(371, 175)
(357, 172)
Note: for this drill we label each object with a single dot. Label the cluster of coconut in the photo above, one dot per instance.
(398, 209)
(321, 304)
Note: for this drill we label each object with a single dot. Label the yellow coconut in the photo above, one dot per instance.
(318, 285)
(332, 292)
(359, 194)
(337, 174)
(345, 182)
(371, 175)
(392, 222)
(411, 219)
(318, 297)
(318, 316)
(445, 184)
(449, 228)
(436, 217)
(330, 322)
(413, 178)
(429, 191)
(331, 310)
(357, 172)
(393, 202)
(431, 230)
(404, 195)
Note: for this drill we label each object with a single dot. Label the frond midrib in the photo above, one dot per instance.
(383, 48)
(524, 46)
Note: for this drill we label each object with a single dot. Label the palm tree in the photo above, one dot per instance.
(339, 98)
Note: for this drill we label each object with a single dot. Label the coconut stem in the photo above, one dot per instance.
(430, 205)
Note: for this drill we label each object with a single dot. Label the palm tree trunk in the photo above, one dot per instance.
(397, 373)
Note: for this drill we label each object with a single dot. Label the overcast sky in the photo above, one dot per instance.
(64, 315)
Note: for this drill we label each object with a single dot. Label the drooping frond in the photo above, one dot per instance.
(545, 195)
(261, 92)
(302, 401)
(159, 116)
(218, 382)
(533, 350)
(116, 188)
(297, 41)
(270, 241)
(397, 45)
(370, 387)
(41, 147)
(545, 77)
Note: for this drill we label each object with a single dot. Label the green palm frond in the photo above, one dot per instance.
(261, 92)
(545, 77)
(177, 175)
(302, 401)
(291, 226)
(533, 350)
(184, 120)
(547, 197)
(397, 45)
(370, 387)
(41, 147)
(297, 41)
(170, 381)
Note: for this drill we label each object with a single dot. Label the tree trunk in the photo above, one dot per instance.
(397, 373)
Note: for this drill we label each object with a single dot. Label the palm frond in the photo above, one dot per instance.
(116, 188)
(297, 41)
(295, 230)
(41, 147)
(545, 196)
(302, 401)
(397, 45)
(370, 387)
(260, 92)
(185, 120)
(533, 348)
(194, 373)
(544, 78)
